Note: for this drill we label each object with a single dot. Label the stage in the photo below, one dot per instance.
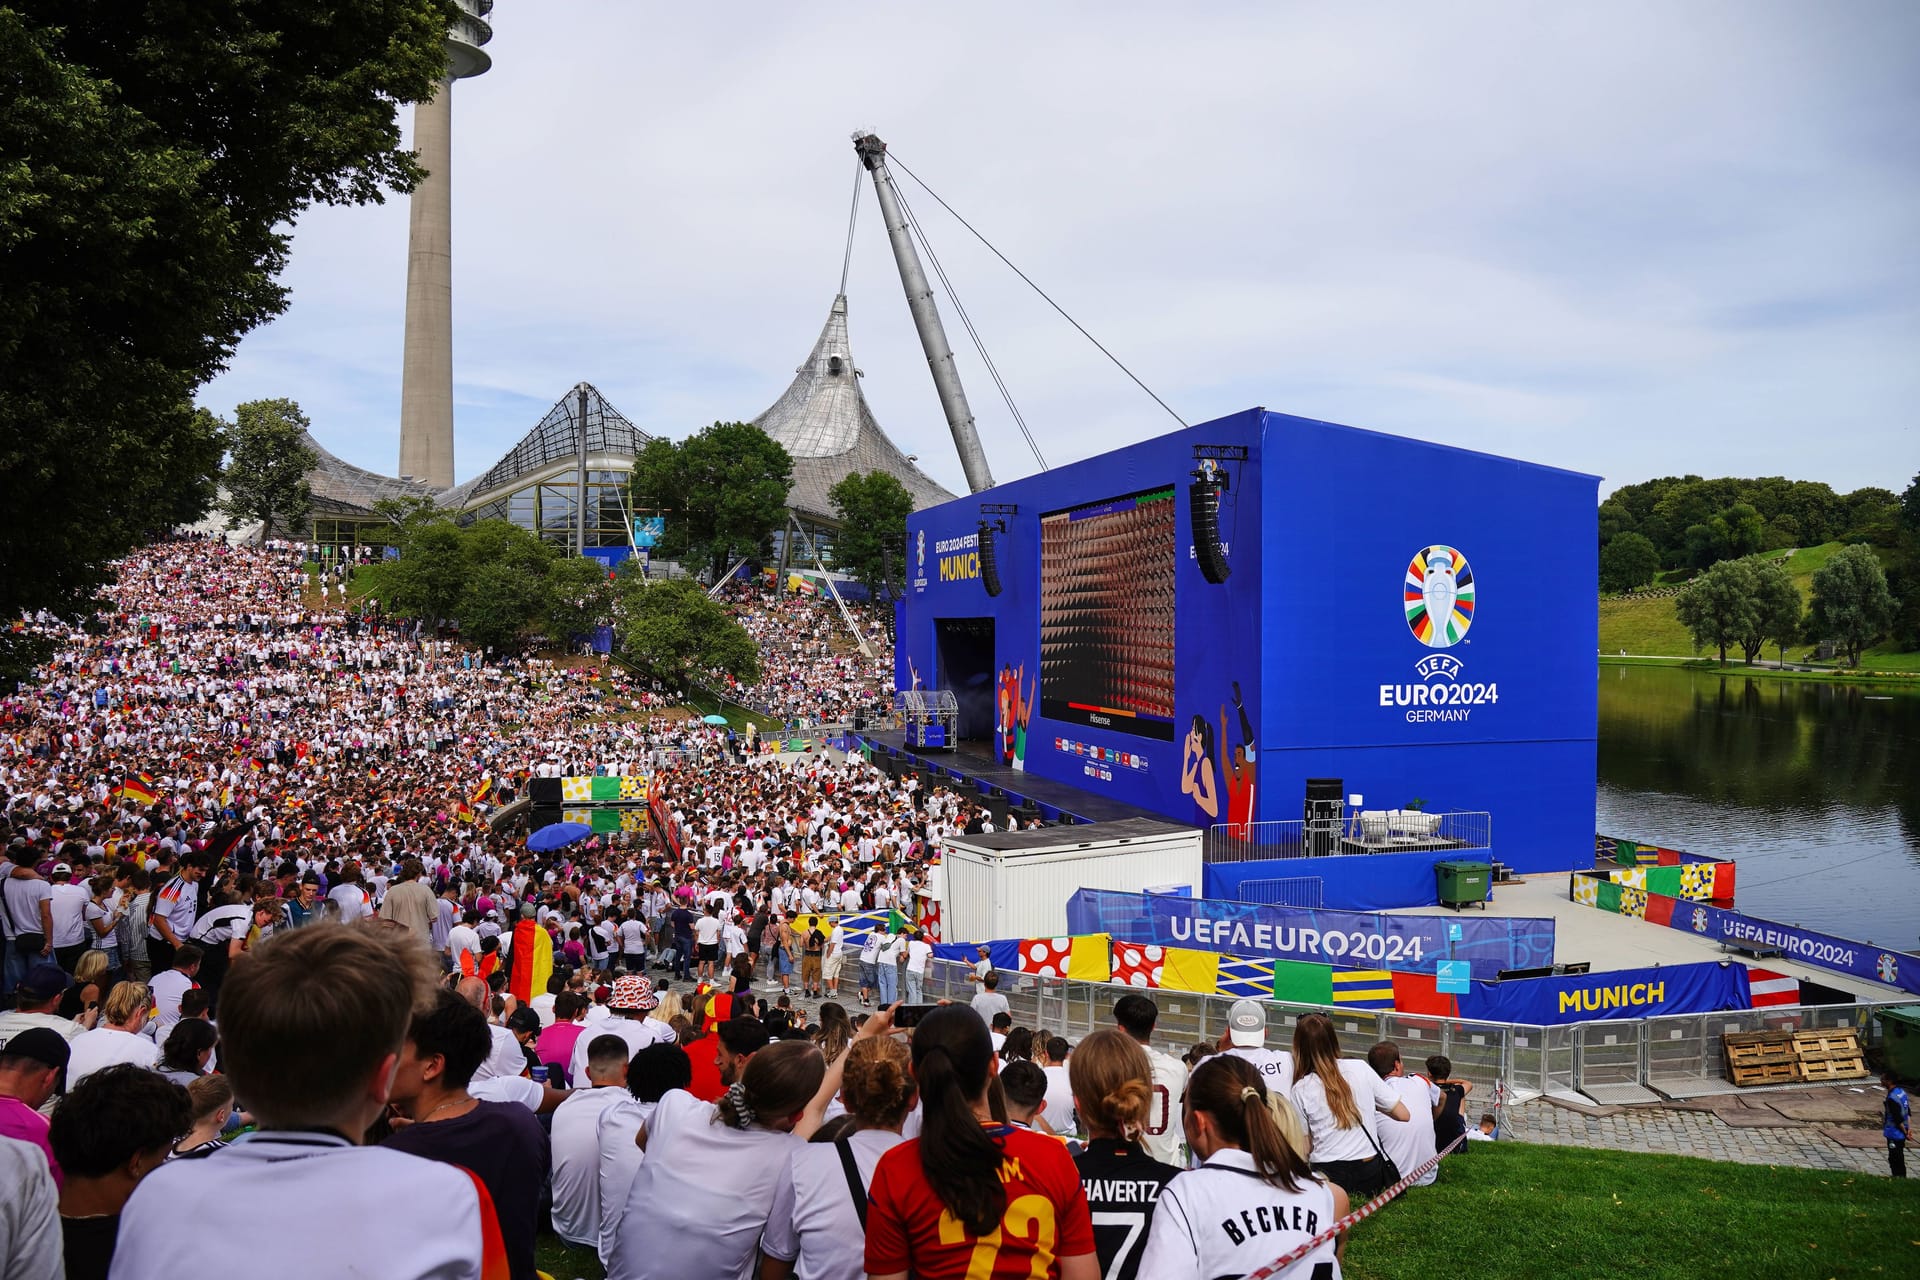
(971, 762)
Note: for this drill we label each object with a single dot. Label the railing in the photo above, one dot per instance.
(1363, 831)
(1678, 1054)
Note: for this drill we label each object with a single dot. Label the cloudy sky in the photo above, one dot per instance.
(1630, 239)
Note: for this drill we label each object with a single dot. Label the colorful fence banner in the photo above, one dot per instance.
(1402, 943)
(606, 821)
(1621, 994)
(600, 790)
(1083, 959)
(1703, 878)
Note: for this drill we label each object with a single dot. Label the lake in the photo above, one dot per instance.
(1813, 788)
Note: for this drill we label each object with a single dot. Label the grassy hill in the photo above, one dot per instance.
(1513, 1209)
(1645, 623)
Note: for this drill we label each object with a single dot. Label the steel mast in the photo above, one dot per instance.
(926, 317)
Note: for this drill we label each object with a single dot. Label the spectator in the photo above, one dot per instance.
(556, 1043)
(1337, 1098)
(312, 1030)
(30, 1067)
(1251, 1199)
(933, 1198)
(652, 1073)
(29, 913)
(817, 1224)
(35, 1001)
(1246, 1038)
(576, 1142)
(188, 1052)
(1487, 1130)
(988, 1002)
(501, 1143)
(211, 1101)
(630, 1001)
(700, 1201)
(1408, 1143)
(1161, 1135)
(117, 1039)
(30, 1215)
(1113, 1093)
(1449, 1119)
(173, 982)
(1052, 1053)
(114, 1127)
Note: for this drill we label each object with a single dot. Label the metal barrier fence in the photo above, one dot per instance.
(1360, 832)
(1680, 1053)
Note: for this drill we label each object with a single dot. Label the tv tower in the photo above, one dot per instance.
(426, 374)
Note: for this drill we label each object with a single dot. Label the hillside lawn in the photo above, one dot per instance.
(1646, 626)
(1513, 1209)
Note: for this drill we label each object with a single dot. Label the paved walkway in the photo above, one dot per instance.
(1836, 1127)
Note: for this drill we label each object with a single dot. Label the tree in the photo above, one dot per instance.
(578, 597)
(1776, 609)
(499, 604)
(1851, 604)
(428, 579)
(1740, 530)
(873, 510)
(266, 479)
(157, 157)
(1628, 561)
(1718, 607)
(674, 631)
(724, 491)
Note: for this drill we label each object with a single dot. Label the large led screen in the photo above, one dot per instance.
(1106, 614)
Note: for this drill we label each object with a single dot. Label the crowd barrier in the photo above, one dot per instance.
(1655, 869)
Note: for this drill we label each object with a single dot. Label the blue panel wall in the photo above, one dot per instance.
(1384, 882)
(1317, 632)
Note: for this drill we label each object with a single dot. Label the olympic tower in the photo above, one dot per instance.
(426, 377)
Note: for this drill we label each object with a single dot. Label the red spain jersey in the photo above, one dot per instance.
(909, 1230)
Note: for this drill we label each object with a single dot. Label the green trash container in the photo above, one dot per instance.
(1463, 883)
(1900, 1040)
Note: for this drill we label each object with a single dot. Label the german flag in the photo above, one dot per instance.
(463, 813)
(139, 788)
(532, 960)
(482, 791)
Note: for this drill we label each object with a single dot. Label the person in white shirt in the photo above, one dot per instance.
(706, 936)
(919, 951)
(1337, 1099)
(1246, 1038)
(1250, 1200)
(815, 1229)
(1408, 1143)
(1136, 1015)
(654, 1072)
(576, 1142)
(117, 1039)
(169, 985)
(631, 1000)
(1050, 1053)
(988, 1002)
(704, 1193)
(69, 906)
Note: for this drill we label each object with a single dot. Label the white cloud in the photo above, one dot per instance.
(1631, 239)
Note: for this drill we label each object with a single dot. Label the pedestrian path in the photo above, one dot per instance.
(1834, 1127)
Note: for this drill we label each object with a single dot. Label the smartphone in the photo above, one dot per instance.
(909, 1015)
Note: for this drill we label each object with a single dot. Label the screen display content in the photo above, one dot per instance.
(1106, 614)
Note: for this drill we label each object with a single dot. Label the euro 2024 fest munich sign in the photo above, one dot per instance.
(1439, 597)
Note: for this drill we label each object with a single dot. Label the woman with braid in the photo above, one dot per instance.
(1251, 1200)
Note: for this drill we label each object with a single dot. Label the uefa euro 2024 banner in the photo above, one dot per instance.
(1357, 939)
(1861, 959)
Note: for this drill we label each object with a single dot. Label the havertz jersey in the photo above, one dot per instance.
(1222, 1219)
(909, 1229)
(1123, 1184)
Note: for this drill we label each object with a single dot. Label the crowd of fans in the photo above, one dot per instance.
(264, 951)
(811, 669)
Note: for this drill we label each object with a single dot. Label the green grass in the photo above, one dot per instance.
(1529, 1212)
(1642, 625)
(564, 1261)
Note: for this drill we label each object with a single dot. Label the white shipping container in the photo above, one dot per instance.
(1016, 884)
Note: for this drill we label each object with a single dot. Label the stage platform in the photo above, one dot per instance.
(972, 763)
(1609, 942)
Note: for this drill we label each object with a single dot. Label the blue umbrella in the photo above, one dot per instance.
(716, 719)
(557, 835)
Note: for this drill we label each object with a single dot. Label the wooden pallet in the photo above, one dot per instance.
(1824, 1046)
(1761, 1057)
(1826, 1069)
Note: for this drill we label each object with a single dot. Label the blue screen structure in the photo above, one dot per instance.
(1106, 614)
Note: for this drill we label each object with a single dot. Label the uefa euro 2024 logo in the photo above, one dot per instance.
(1439, 597)
(920, 551)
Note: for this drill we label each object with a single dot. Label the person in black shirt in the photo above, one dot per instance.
(1113, 1093)
(1448, 1122)
(500, 1142)
(114, 1128)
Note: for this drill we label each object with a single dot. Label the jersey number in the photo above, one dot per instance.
(1135, 1225)
(1165, 1099)
(1026, 1216)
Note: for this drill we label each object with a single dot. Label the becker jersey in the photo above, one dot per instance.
(1222, 1220)
(1123, 1184)
(909, 1229)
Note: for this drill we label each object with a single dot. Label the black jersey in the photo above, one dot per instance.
(1123, 1184)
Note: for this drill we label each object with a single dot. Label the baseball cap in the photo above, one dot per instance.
(41, 1044)
(44, 981)
(633, 992)
(1247, 1024)
(62, 869)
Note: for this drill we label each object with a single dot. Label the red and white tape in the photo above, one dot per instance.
(1364, 1212)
